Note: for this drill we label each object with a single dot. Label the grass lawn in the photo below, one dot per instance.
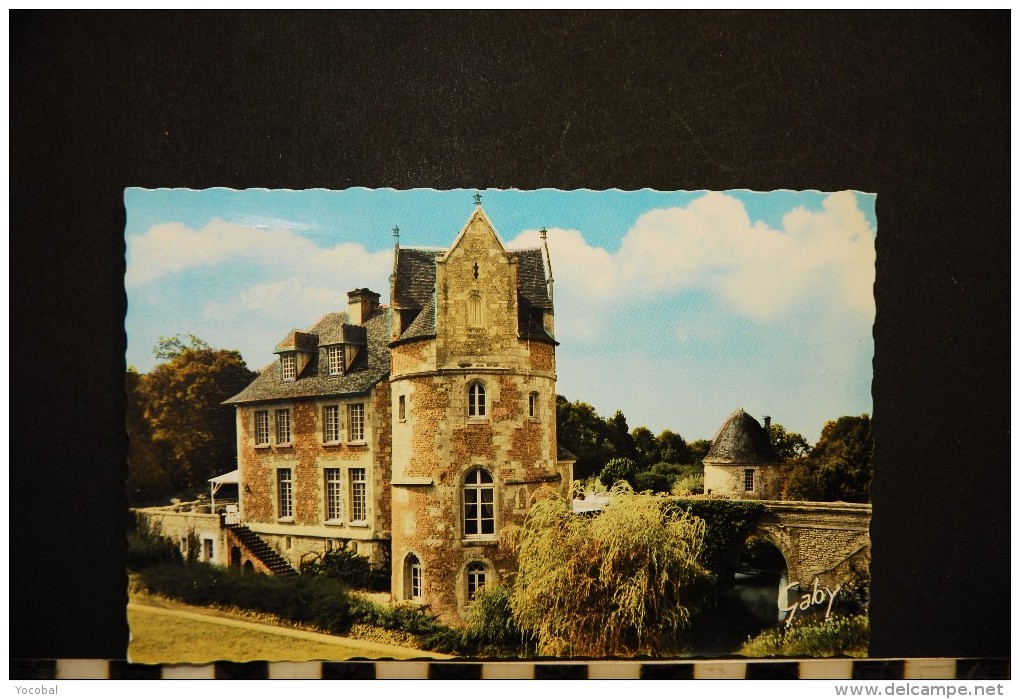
(182, 634)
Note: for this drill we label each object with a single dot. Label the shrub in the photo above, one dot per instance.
(315, 600)
(347, 567)
(727, 525)
(146, 549)
(689, 485)
(651, 481)
(837, 635)
(492, 630)
(618, 469)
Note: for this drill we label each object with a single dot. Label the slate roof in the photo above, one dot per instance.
(424, 325)
(416, 277)
(297, 340)
(531, 281)
(741, 440)
(368, 368)
(415, 288)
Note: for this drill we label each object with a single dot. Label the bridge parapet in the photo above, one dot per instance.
(827, 540)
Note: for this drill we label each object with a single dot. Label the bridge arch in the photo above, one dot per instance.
(827, 540)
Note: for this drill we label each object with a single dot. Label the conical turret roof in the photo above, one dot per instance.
(741, 440)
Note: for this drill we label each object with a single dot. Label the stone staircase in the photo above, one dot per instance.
(258, 548)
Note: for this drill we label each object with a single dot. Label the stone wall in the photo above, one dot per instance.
(186, 528)
(438, 444)
(827, 540)
(727, 480)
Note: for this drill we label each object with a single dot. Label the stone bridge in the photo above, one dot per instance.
(824, 539)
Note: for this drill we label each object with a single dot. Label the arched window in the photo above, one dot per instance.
(475, 579)
(412, 577)
(476, 400)
(479, 504)
(475, 309)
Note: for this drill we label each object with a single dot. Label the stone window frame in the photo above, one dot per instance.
(338, 424)
(261, 430)
(533, 406)
(333, 494)
(477, 401)
(414, 578)
(474, 310)
(478, 488)
(335, 360)
(284, 500)
(283, 427)
(476, 574)
(208, 549)
(288, 367)
(750, 478)
(356, 436)
(402, 408)
(358, 490)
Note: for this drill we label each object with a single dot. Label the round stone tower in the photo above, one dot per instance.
(473, 391)
(742, 463)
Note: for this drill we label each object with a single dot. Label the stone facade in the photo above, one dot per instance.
(196, 532)
(478, 398)
(830, 541)
(415, 431)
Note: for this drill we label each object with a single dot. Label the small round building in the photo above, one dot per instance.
(742, 463)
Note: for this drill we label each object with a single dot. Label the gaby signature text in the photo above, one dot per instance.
(817, 595)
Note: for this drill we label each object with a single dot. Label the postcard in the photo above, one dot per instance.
(498, 423)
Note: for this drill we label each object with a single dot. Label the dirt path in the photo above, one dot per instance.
(164, 631)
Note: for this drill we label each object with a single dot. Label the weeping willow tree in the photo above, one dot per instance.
(626, 581)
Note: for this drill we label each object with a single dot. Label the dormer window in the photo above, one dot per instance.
(288, 364)
(335, 360)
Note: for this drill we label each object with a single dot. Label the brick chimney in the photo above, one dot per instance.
(362, 303)
(768, 429)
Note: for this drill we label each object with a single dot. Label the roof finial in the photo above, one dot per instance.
(478, 198)
(542, 233)
(396, 231)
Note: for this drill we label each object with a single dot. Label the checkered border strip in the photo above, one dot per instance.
(825, 669)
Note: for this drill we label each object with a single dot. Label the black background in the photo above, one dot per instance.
(914, 107)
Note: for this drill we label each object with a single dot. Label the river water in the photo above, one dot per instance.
(743, 608)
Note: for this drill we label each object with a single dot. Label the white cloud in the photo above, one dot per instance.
(170, 248)
(284, 301)
(825, 257)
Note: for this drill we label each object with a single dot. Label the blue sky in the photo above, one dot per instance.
(675, 307)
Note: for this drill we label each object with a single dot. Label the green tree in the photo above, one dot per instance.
(619, 435)
(182, 403)
(673, 449)
(623, 582)
(617, 470)
(581, 430)
(148, 479)
(699, 449)
(645, 445)
(788, 445)
(839, 467)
